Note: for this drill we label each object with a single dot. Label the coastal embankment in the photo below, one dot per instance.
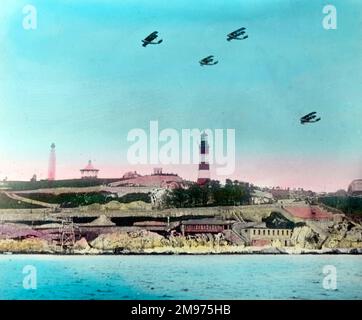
(137, 228)
(138, 241)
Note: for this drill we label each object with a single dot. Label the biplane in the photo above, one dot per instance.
(237, 35)
(310, 118)
(208, 61)
(150, 39)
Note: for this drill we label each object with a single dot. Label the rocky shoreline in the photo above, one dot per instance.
(142, 242)
(264, 251)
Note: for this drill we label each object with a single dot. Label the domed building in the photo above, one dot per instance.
(89, 172)
(355, 188)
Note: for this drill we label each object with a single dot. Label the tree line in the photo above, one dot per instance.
(347, 204)
(213, 193)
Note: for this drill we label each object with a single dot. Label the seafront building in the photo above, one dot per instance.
(248, 233)
(259, 235)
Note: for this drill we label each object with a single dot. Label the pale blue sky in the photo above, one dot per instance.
(83, 80)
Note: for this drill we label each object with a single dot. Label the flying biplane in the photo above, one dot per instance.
(149, 39)
(309, 118)
(208, 61)
(235, 35)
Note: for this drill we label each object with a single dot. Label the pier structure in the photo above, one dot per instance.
(67, 235)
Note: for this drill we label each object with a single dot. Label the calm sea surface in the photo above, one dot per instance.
(179, 277)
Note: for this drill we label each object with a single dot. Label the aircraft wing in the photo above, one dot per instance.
(236, 32)
(303, 120)
(151, 37)
(310, 114)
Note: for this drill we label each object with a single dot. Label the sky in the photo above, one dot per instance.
(82, 79)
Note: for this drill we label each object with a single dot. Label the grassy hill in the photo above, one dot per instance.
(42, 184)
(8, 203)
(73, 200)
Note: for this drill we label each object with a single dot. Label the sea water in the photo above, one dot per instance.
(180, 277)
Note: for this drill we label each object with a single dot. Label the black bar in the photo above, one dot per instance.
(182, 309)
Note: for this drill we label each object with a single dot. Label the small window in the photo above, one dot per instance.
(263, 232)
(268, 232)
(278, 232)
(282, 232)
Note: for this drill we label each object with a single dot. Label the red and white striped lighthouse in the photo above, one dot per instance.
(204, 167)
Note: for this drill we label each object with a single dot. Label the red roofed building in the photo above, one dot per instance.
(309, 212)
